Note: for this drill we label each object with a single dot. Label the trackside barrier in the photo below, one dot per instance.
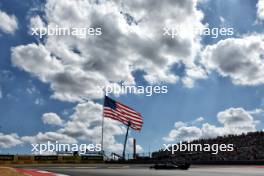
(49, 159)
(6, 157)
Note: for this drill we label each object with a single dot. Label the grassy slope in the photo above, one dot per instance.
(7, 171)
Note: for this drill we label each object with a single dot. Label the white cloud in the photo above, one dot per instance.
(241, 59)
(180, 124)
(237, 120)
(52, 119)
(36, 22)
(74, 67)
(212, 131)
(39, 101)
(260, 9)
(184, 133)
(8, 23)
(9, 140)
(39, 62)
(232, 120)
(193, 73)
(85, 124)
(43, 138)
(199, 119)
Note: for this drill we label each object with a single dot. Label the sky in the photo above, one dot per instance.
(49, 86)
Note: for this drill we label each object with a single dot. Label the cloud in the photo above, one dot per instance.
(9, 140)
(52, 119)
(183, 133)
(241, 59)
(40, 62)
(237, 120)
(75, 67)
(43, 138)
(232, 120)
(199, 120)
(85, 124)
(260, 9)
(39, 101)
(8, 23)
(68, 82)
(212, 131)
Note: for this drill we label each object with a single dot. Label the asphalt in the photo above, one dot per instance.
(143, 170)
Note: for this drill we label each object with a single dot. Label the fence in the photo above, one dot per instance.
(51, 159)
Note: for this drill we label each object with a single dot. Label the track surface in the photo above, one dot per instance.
(33, 172)
(126, 170)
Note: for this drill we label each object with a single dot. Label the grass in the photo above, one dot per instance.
(7, 171)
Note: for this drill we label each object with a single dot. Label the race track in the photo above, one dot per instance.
(126, 170)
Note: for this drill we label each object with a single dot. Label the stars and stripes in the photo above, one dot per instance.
(122, 113)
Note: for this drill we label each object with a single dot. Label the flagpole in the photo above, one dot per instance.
(102, 136)
(124, 149)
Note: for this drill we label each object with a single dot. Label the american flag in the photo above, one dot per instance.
(122, 113)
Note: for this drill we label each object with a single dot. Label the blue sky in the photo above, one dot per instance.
(25, 97)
